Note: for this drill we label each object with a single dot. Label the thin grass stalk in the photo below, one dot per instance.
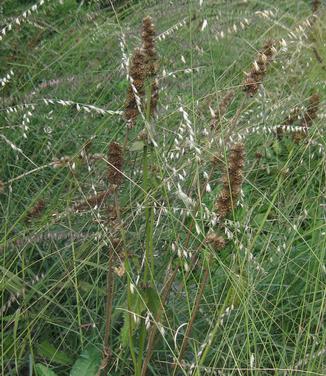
(231, 293)
(109, 303)
(193, 317)
(165, 294)
(153, 330)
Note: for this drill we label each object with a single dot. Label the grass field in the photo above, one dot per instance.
(185, 237)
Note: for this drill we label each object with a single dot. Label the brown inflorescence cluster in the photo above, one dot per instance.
(315, 5)
(136, 89)
(95, 200)
(308, 117)
(216, 241)
(222, 108)
(256, 75)
(115, 158)
(148, 37)
(144, 67)
(36, 210)
(232, 181)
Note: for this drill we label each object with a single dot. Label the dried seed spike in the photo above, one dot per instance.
(216, 241)
(36, 210)
(232, 181)
(315, 5)
(222, 108)
(115, 163)
(136, 89)
(148, 37)
(257, 73)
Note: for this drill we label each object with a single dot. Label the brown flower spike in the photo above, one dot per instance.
(315, 5)
(256, 75)
(115, 163)
(36, 210)
(143, 67)
(216, 241)
(148, 37)
(136, 89)
(232, 181)
(222, 108)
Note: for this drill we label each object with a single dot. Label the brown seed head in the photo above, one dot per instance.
(222, 108)
(115, 163)
(148, 37)
(136, 88)
(315, 5)
(232, 181)
(216, 241)
(255, 76)
(36, 210)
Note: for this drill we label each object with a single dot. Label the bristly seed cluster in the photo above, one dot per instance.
(148, 37)
(256, 75)
(222, 108)
(315, 5)
(232, 181)
(216, 241)
(144, 67)
(36, 210)
(136, 88)
(115, 158)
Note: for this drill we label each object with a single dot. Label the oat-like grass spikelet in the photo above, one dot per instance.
(256, 75)
(232, 181)
(291, 118)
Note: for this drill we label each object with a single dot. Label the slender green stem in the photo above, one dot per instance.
(193, 316)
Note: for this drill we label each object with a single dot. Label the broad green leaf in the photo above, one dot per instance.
(277, 148)
(41, 370)
(137, 146)
(9, 281)
(51, 353)
(89, 288)
(88, 363)
(152, 300)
